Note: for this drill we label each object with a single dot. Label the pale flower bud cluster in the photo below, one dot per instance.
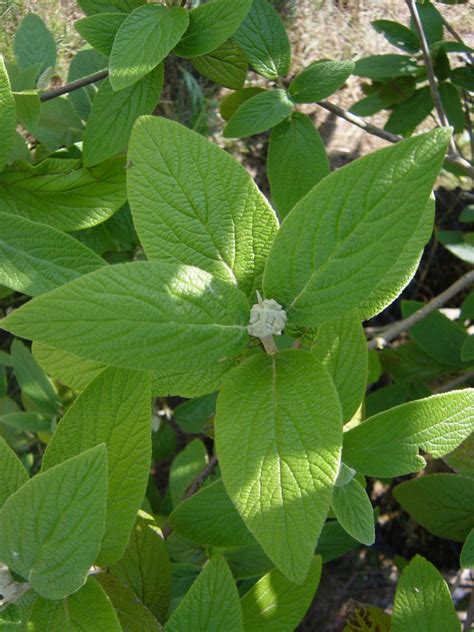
(267, 318)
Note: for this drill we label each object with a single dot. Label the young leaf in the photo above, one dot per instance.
(320, 80)
(193, 203)
(113, 114)
(173, 316)
(99, 30)
(35, 258)
(87, 610)
(145, 566)
(297, 161)
(423, 601)
(227, 65)
(7, 116)
(60, 513)
(210, 25)
(33, 44)
(114, 409)
(61, 193)
(259, 113)
(87, 62)
(13, 474)
(202, 608)
(230, 103)
(351, 229)
(381, 67)
(263, 39)
(279, 462)
(158, 29)
(398, 35)
(67, 368)
(388, 444)
(467, 553)
(353, 510)
(275, 604)
(185, 467)
(442, 503)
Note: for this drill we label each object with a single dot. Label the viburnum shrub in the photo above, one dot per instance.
(164, 271)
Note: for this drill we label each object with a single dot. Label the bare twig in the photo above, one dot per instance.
(469, 614)
(399, 327)
(457, 381)
(74, 85)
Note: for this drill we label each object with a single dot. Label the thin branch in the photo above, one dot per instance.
(74, 85)
(457, 381)
(396, 329)
(469, 614)
(457, 37)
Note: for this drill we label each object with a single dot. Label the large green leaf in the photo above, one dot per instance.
(62, 193)
(210, 25)
(67, 368)
(99, 30)
(431, 21)
(320, 80)
(91, 7)
(7, 116)
(442, 503)
(113, 114)
(13, 474)
(190, 383)
(165, 316)
(297, 161)
(60, 516)
(388, 444)
(33, 44)
(35, 258)
(398, 35)
(185, 467)
(192, 203)
(212, 602)
(408, 114)
(87, 62)
(279, 459)
(380, 67)
(353, 510)
(423, 601)
(227, 65)
(157, 29)
(114, 409)
(452, 105)
(461, 460)
(28, 108)
(467, 553)
(58, 125)
(263, 38)
(351, 229)
(275, 604)
(230, 103)
(259, 113)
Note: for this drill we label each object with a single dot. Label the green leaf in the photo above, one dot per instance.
(407, 115)
(423, 601)
(145, 567)
(462, 458)
(60, 513)
(431, 21)
(351, 229)
(91, 7)
(387, 444)
(398, 35)
(158, 29)
(201, 609)
(185, 467)
(210, 518)
(442, 503)
(13, 474)
(340, 345)
(35, 258)
(279, 461)
(190, 383)
(452, 105)
(369, 105)
(210, 25)
(58, 125)
(19, 151)
(113, 409)
(408, 364)
(460, 244)
(248, 562)
(275, 604)
(380, 67)
(185, 212)
(467, 349)
(34, 44)
(296, 162)
(114, 113)
(87, 62)
(334, 542)
(463, 77)
(230, 103)
(353, 510)
(28, 108)
(263, 39)
(259, 113)
(87, 610)
(99, 30)
(62, 193)
(467, 553)
(227, 65)
(365, 618)
(195, 414)
(67, 368)
(320, 80)
(7, 116)
(27, 421)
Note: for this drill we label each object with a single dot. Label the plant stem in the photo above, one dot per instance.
(469, 614)
(74, 85)
(457, 381)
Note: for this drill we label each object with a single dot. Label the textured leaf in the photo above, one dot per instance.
(35, 258)
(197, 320)
(461, 460)
(422, 601)
(13, 474)
(279, 460)
(263, 38)
(185, 467)
(227, 65)
(296, 162)
(230, 103)
(212, 602)
(388, 444)
(28, 108)
(87, 610)
(195, 414)
(380, 67)
(351, 230)
(34, 44)
(87, 62)
(27, 421)
(58, 125)
(259, 113)
(210, 25)
(157, 29)
(467, 553)
(442, 503)
(398, 35)
(145, 567)
(99, 30)
(190, 383)
(67, 368)
(365, 618)
(91, 7)
(114, 113)
(353, 510)
(431, 21)
(7, 116)
(114, 409)
(275, 604)
(320, 80)
(408, 114)
(60, 513)
(193, 203)
(62, 193)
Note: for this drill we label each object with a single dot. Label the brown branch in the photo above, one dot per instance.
(392, 332)
(74, 85)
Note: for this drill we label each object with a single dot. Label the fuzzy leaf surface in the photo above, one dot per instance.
(13, 474)
(353, 510)
(320, 80)
(259, 113)
(227, 65)
(7, 116)
(99, 30)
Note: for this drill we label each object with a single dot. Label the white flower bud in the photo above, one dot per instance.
(267, 318)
